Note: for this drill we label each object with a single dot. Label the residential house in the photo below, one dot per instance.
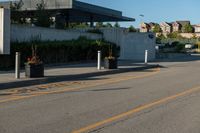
(144, 27)
(166, 27)
(176, 27)
(197, 28)
(182, 24)
(152, 26)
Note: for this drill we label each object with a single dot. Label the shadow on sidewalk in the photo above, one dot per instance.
(77, 77)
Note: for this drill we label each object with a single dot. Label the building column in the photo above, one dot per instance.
(5, 31)
(59, 21)
(91, 21)
(67, 19)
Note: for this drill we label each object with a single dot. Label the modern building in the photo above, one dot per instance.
(72, 11)
(132, 45)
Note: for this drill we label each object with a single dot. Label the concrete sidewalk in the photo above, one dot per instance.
(67, 73)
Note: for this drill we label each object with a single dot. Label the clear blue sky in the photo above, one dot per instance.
(154, 10)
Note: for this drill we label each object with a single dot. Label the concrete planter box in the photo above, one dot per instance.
(34, 71)
(110, 63)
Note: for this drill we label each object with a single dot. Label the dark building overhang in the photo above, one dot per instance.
(100, 13)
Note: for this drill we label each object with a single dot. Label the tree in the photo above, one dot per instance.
(116, 25)
(132, 29)
(99, 24)
(194, 36)
(78, 25)
(160, 38)
(108, 25)
(16, 16)
(82, 25)
(43, 17)
(157, 28)
(174, 35)
(187, 28)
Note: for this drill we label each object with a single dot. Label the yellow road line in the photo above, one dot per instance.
(135, 110)
(14, 98)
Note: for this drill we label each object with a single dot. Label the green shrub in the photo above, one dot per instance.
(97, 31)
(52, 52)
(132, 29)
(180, 48)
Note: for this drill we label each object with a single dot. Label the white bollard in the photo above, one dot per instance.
(146, 57)
(17, 65)
(99, 60)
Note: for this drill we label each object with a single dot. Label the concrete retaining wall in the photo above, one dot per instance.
(27, 33)
(133, 45)
(190, 35)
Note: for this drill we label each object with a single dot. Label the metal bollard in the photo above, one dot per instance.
(99, 60)
(17, 65)
(146, 57)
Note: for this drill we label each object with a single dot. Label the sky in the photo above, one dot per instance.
(154, 10)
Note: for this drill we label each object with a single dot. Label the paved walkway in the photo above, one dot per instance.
(51, 72)
(66, 73)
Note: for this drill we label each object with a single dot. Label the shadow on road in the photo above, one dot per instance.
(112, 89)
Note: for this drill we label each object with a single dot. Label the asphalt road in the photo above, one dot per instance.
(164, 102)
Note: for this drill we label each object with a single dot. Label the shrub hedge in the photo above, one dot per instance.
(54, 52)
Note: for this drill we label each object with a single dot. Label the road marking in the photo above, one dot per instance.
(135, 110)
(15, 98)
